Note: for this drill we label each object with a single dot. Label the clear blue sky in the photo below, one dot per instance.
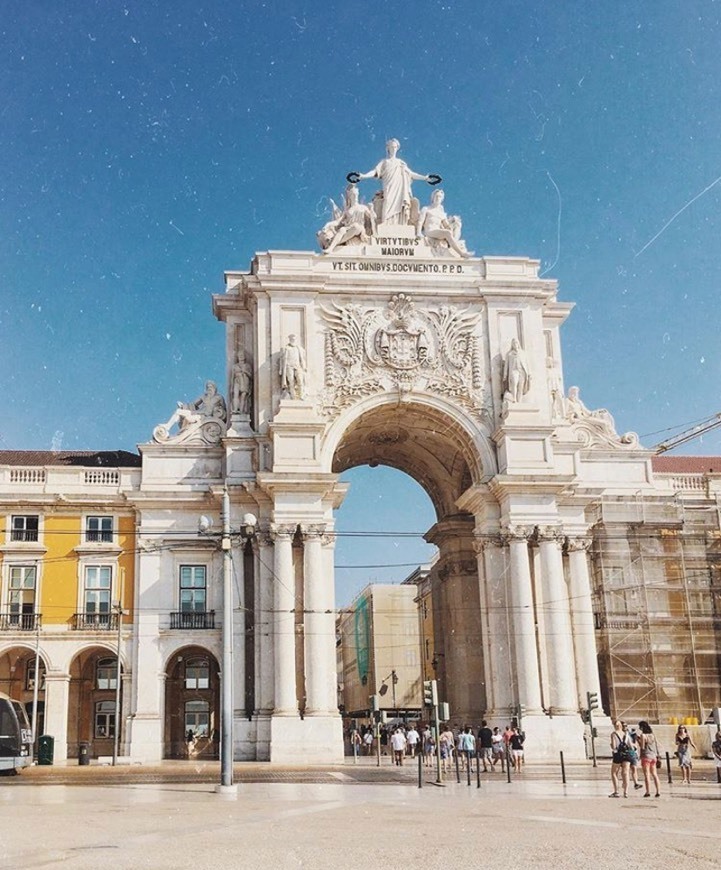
(146, 147)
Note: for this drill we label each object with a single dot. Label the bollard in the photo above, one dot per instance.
(668, 768)
(478, 772)
(508, 763)
(458, 768)
(468, 766)
(420, 770)
(563, 769)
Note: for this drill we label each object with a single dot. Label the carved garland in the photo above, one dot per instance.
(372, 350)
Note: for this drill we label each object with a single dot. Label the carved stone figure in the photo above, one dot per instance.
(292, 369)
(242, 385)
(595, 427)
(356, 221)
(395, 176)
(434, 224)
(516, 374)
(201, 421)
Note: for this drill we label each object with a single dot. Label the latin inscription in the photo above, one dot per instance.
(402, 266)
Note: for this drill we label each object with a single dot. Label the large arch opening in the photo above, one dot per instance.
(440, 456)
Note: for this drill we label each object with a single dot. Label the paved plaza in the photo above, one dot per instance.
(350, 816)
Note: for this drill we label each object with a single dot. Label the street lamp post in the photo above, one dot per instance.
(247, 531)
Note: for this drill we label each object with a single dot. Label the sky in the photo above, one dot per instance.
(147, 147)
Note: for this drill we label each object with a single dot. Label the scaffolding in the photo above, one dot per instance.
(657, 601)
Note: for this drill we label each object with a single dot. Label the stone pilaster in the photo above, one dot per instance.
(584, 633)
(286, 702)
(319, 624)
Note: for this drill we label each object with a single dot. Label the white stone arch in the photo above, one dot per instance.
(471, 436)
(211, 649)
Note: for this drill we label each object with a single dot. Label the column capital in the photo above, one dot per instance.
(483, 542)
(516, 533)
(313, 531)
(548, 534)
(578, 543)
(280, 531)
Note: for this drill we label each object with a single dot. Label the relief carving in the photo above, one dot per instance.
(371, 350)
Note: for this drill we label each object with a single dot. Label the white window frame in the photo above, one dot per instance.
(12, 562)
(85, 567)
(9, 530)
(99, 536)
(193, 566)
(104, 712)
(196, 683)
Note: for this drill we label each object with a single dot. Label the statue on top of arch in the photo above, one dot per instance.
(393, 212)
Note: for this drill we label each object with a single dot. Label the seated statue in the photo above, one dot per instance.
(437, 226)
(355, 221)
(595, 427)
(203, 420)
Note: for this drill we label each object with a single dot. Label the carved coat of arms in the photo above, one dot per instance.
(371, 350)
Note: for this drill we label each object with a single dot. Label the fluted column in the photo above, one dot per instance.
(264, 626)
(286, 702)
(524, 622)
(559, 640)
(319, 624)
(584, 633)
(496, 630)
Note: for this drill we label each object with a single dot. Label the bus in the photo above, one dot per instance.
(16, 738)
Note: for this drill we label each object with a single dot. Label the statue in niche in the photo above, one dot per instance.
(395, 176)
(355, 222)
(516, 374)
(242, 385)
(436, 225)
(201, 421)
(292, 369)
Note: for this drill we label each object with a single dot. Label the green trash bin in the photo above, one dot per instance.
(46, 749)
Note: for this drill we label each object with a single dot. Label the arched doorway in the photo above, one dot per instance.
(17, 679)
(92, 715)
(192, 704)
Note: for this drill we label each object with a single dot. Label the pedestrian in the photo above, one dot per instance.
(446, 745)
(485, 746)
(635, 755)
(518, 738)
(620, 758)
(429, 745)
(649, 757)
(684, 745)
(355, 742)
(412, 739)
(398, 745)
(469, 746)
(499, 748)
(368, 740)
(716, 749)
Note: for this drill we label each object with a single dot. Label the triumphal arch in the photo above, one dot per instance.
(393, 343)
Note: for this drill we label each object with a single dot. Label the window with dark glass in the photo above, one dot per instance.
(106, 673)
(193, 589)
(21, 594)
(99, 530)
(98, 581)
(197, 674)
(24, 528)
(104, 719)
(197, 718)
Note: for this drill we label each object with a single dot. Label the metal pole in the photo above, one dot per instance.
(226, 726)
(116, 734)
(563, 769)
(378, 742)
(508, 763)
(668, 768)
(36, 682)
(593, 742)
(437, 726)
(456, 752)
(478, 771)
(420, 770)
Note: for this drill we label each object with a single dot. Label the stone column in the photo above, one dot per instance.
(559, 640)
(584, 632)
(319, 624)
(57, 693)
(528, 676)
(286, 702)
(495, 628)
(264, 626)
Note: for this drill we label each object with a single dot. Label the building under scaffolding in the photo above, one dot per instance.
(656, 564)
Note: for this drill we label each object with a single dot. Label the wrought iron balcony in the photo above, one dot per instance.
(19, 621)
(193, 619)
(95, 621)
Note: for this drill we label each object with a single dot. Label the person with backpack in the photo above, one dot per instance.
(621, 754)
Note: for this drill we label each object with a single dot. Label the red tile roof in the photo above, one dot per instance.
(686, 464)
(87, 458)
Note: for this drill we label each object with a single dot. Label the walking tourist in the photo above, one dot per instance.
(621, 753)
(412, 738)
(368, 740)
(716, 749)
(518, 738)
(499, 749)
(684, 745)
(649, 758)
(446, 743)
(398, 745)
(635, 755)
(485, 746)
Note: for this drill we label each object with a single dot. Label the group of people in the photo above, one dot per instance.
(489, 745)
(632, 748)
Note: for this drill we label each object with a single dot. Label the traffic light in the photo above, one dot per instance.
(430, 693)
(592, 698)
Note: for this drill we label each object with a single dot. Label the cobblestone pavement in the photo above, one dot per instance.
(169, 816)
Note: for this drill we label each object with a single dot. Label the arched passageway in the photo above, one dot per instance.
(192, 704)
